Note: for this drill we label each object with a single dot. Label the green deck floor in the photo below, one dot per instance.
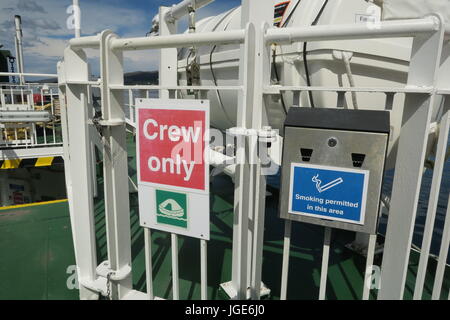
(36, 254)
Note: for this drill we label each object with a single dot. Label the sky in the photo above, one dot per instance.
(46, 32)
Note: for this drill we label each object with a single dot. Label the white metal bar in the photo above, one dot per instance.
(44, 125)
(424, 67)
(168, 76)
(115, 168)
(286, 253)
(19, 47)
(130, 105)
(148, 263)
(181, 9)
(369, 266)
(174, 87)
(276, 89)
(443, 254)
(175, 277)
(204, 268)
(432, 206)
(325, 258)
(36, 75)
(91, 83)
(259, 14)
(33, 126)
(80, 188)
(92, 42)
(77, 18)
(52, 101)
(180, 40)
(385, 29)
(243, 196)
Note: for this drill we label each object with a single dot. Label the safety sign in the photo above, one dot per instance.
(173, 170)
(330, 193)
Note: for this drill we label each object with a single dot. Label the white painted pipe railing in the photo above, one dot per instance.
(24, 116)
(403, 28)
(33, 75)
(85, 42)
(181, 9)
(179, 41)
(77, 16)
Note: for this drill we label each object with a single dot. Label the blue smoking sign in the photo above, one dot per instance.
(330, 193)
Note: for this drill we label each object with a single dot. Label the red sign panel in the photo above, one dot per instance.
(171, 147)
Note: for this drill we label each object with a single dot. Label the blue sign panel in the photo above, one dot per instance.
(328, 192)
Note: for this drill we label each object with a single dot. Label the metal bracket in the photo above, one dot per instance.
(98, 285)
(241, 132)
(104, 269)
(112, 122)
(230, 291)
(267, 135)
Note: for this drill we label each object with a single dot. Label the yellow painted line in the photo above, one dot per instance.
(11, 164)
(44, 162)
(32, 204)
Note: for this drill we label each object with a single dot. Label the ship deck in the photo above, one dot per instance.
(37, 255)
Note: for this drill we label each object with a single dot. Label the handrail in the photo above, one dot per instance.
(29, 74)
(180, 40)
(386, 29)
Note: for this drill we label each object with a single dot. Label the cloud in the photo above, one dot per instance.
(30, 5)
(46, 33)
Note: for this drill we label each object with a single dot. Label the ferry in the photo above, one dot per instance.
(289, 150)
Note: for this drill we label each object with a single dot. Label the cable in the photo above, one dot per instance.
(351, 80)
(290, 14)
(305, 60)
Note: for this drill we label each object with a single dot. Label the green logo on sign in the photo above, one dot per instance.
(171, 208)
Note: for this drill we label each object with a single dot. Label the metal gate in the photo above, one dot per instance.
(82, 129)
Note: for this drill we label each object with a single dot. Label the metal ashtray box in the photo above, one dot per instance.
(333, 165)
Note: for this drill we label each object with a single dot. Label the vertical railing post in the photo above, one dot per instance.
(243, 191)
(445, 241)
(418, 109)
(75, 116)
(250, 185)
(115, 168)
(262, 79)
(168, 76)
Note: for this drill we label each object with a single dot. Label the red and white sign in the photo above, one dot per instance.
(172, 142)
(173, 172)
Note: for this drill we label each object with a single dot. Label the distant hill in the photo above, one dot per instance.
(130, 78)
(141, 77)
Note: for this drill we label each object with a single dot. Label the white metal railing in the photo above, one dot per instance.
(74, 85)
(426, 79)
(428, 67)
(29, 116)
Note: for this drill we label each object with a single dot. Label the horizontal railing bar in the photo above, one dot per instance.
(386, 29)
(28, 75)
(156, 87)
(278, 89)
(180, 40)
(92, 83)
(85, 42)
(443, 91)
(181, 9)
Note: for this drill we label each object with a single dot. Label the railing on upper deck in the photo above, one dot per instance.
(29, 116)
